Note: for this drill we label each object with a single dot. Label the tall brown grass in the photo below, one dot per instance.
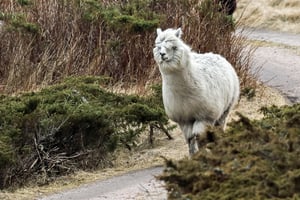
(44, 41)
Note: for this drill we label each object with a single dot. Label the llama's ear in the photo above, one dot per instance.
(178, 33)
(158, 31)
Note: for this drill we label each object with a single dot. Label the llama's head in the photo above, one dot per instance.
(169, 49)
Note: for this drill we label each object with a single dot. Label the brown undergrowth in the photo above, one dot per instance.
(46, 41)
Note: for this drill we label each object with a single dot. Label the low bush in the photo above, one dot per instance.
(71, 125)
(254, 160)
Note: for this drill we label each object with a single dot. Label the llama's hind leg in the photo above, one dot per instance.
(222, 121)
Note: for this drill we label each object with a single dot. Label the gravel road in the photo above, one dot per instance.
(281, 69)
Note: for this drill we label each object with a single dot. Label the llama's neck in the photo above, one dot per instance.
(182, 78)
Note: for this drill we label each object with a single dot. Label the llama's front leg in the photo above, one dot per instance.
(198, 132)
(199, 129)
(187, 129)
(191, 132)
(193, 145)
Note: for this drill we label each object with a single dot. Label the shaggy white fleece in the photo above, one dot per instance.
(198, 89)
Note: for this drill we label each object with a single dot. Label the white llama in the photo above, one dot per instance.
(198, 89)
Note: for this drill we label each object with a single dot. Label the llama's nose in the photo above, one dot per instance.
(162, 54)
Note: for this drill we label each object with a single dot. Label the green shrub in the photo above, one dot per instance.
(24, 2)
(74, 124)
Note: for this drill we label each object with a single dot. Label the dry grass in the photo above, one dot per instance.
(271, 14)
(49, 40)
(65, 42)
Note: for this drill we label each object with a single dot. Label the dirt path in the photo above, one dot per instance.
(135, 185)
(280, 59)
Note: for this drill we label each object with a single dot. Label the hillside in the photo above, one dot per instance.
(270, 14)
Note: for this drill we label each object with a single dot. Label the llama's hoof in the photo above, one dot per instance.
(193, 145)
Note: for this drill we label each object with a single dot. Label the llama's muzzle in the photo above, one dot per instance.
(163, 56)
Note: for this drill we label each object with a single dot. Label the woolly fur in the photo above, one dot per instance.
(198, 89)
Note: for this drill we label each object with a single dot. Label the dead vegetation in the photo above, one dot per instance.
(46, 41)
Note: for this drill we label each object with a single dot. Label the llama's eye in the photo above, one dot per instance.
(174, 48)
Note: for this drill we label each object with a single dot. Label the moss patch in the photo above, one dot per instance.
(252, 160)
